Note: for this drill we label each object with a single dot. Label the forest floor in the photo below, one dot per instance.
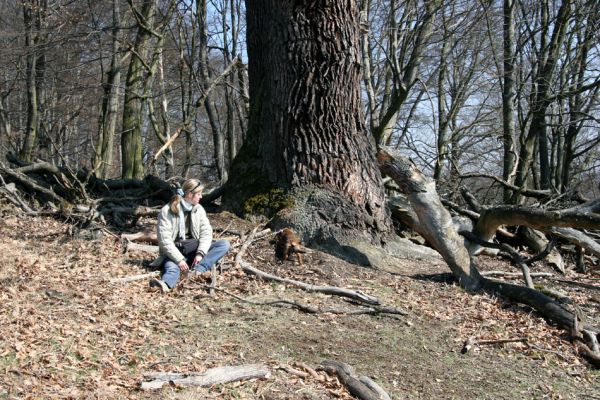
(66, 331)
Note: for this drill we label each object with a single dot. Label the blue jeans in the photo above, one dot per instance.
(216, 251)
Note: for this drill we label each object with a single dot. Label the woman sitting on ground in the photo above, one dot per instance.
(185, 238)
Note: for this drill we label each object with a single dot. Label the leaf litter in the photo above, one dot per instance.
(67, 332)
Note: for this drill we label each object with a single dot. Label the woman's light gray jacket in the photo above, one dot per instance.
(168, 228)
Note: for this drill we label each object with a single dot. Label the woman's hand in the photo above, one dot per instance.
(197, 260)
(183, 266)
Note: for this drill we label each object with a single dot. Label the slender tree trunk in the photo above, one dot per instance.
(103, 161)
(164, 104)
(218, 140)
(131, 136)
(405, 78)
(547, 58)
(443, 136)
(508, 97)
(33, 13)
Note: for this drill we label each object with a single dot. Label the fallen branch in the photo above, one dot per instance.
(470, 342)
(372, 310)
(30, 183)
(213, 376)
(436, 226)
(132, 246)
(515, 274)
(514, 255)
(579, 238)
(132, 278)
(11, 193)
(331, 290)
(293, 371)
(354, 383)
(242, 250)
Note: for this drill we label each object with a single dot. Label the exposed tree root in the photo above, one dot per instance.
(359, 386)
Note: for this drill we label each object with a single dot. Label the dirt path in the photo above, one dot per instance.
(66, 332)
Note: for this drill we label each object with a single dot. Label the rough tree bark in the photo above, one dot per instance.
(34, 17)
(104, 156)
(307, 137)
(131, 137)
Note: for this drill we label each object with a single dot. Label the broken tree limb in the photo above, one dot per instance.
(515, 274)
(213, 376)
(132, 246)
(435, 222)
(537, 241)
(437, 227)
(351, 381)
(371, 384)
(244, 247)
(579, 238)
(293, 371)
(10, 192)
(582, 216)
(331, 290)
(132, 278)
(371, 310)
(31, 184)
(514, 255)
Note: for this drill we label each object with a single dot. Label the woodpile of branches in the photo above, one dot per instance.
(43, 188)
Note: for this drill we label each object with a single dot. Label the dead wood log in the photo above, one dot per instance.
(436, 226)
(132, 278)
(331, 290)
(580, 259)
(371, 310)
(31, 184)
(514, 255)
(354, 383)
(460, 210)
(245, 243)
(117, 212)
(585, 215)
(537, 241)
(435, 222)
(470, 199)
(515, 274)
(371, 384)
(578, 238)
(213, 376)
(148, 236)
(132, 246)
(213, 195)
(311, 371)
(10, 192)
(293, 371)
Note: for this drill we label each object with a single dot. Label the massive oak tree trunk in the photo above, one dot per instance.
(306, 133)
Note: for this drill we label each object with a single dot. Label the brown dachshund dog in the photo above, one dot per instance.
(289, 243)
